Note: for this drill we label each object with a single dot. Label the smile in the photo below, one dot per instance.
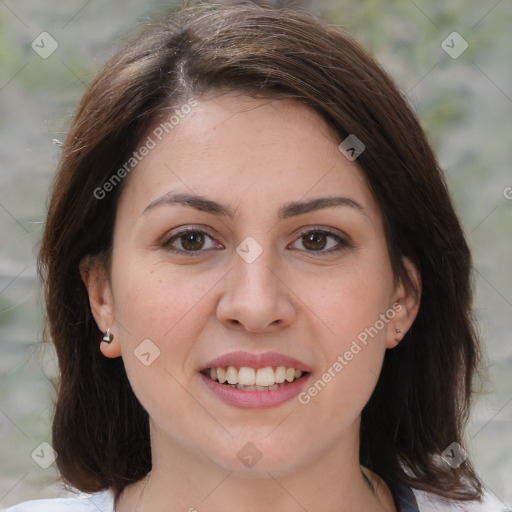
(253, 379)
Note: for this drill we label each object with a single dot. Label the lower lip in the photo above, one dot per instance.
(255, 399)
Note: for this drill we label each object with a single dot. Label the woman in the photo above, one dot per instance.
(256, 283)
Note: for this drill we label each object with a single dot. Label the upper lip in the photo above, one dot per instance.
(256, 360)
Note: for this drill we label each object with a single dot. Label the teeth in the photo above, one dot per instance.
(265, 376)
(249, 379)
(221, 375)
(247, 376)
(290, 374)
(280, 374)
(232, 375)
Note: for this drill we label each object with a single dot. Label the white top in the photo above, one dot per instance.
(104, 502)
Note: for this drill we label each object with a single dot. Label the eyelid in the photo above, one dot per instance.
(324, 229)
(186, 228)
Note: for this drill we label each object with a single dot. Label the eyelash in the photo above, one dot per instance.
(342, 242)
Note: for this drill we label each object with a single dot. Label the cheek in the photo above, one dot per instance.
(162, 304)
(168, 308)
(353, 308)
(349, 301)
(353, 349)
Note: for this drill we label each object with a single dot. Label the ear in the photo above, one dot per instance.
(95, 279)
(406, 305)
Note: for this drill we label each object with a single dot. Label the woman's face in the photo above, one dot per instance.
(285, 265)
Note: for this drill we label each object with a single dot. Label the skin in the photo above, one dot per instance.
(252, 155)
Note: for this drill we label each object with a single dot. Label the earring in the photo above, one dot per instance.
(398, 331)
(108, 337)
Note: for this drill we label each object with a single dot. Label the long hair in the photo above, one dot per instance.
(421, 402)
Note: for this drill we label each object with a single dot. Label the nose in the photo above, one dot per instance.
(255, 297)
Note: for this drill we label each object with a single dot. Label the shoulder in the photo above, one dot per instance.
(98, 502)
(428, 502)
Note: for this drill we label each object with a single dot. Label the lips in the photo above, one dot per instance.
(243, 379)
(250, 360)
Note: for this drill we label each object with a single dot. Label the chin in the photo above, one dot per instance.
(257, 456)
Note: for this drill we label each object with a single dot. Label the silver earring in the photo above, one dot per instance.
(108, 337)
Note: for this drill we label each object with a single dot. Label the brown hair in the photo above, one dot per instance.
(422, 398)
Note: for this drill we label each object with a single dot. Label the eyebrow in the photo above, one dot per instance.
(288, 210)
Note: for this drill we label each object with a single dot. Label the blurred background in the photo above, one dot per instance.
(460, 84)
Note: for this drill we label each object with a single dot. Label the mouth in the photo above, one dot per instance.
(246, 378)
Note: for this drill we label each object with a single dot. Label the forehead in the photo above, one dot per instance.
(237, 147)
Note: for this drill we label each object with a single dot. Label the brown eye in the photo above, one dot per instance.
(321, 241)
(314, 240)
(190, 241)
